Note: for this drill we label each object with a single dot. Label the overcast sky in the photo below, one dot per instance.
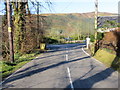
(74, 6)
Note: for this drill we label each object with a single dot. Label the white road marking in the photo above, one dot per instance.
(66, 54)
(67, 51)
(90, 56)
(68, 70)
(85, 51)
(66, 57)
(96, 59)
(71, 84)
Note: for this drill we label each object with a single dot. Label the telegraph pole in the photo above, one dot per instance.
(38, 26)
(96, 19)
(38, 14)
(9, 18)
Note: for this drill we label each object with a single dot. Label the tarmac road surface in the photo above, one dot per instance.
(63, 66)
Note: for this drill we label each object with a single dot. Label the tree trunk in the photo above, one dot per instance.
(19, 25)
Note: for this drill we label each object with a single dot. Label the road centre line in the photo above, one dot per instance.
(68, 70)
(71, 84)
(66, 57)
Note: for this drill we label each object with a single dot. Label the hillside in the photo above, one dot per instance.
(72, 25)
(90, 14)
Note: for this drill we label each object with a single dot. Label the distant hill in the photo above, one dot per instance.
(91, 14)
(72, 24)
(87, 14)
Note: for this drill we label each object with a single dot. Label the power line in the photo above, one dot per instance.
(41, 5)
(67, 6)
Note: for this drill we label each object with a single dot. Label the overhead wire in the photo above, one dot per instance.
(67, 6)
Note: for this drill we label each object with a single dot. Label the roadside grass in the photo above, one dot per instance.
(7, 68)
(109, 59)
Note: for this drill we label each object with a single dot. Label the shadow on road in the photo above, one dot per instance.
(79, 83)
(56, 48)
(87, 83)
(23, 74)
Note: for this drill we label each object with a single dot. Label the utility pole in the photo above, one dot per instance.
(9, 18)
(96, 19)
(38, 26)
(38, 14)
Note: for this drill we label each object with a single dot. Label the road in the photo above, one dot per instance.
(63, 66)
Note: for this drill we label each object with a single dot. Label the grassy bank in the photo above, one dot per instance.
(20, 60)
(109, 59)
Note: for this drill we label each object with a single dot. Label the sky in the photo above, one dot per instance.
(73, 6)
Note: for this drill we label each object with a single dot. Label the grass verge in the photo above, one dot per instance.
(20, 60)
(110, 60)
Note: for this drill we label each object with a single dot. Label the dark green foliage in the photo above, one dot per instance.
(92, 38)
(83, 37)
(74, 37)
(16, 56)
(8, 67)
(100, 36)
(50, 41)
(110, 24)
(116, 63)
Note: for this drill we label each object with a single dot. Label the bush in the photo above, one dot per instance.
(50, 40)
(92, 38)
(6, 67)
(5, 74)
(25, 57)
(116, 63)
(16, 56)
(100, 36)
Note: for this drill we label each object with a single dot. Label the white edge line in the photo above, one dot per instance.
(71, 84)
(85, 51)
(90, 55)
(94, 58)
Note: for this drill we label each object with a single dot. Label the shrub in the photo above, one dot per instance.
(50, 40)
(92, 38)
(16, 56)
(100, 36)
(6, 67)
